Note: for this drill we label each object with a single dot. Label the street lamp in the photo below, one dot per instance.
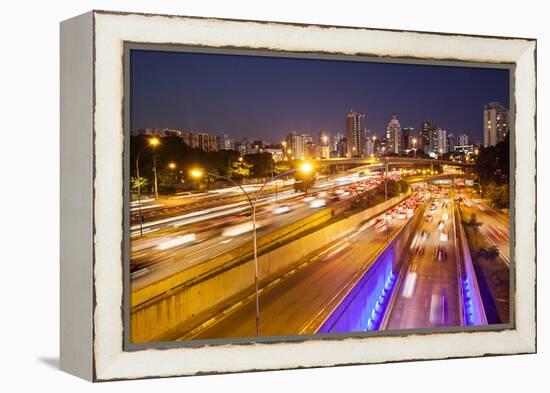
(153, 142)
(172, 166)
(304, 168)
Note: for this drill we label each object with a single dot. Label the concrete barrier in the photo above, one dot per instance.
(472, 303)
(154, 318)
(245, 251)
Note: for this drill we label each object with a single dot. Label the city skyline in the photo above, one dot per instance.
(267, 97)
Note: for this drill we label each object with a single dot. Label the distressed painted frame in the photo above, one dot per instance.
(92, 198)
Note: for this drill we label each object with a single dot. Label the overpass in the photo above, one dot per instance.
(390, 161)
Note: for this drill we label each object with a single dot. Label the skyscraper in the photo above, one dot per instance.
(296, 145)
(451, 141)
(323, 144)
(495, 123)
(339, 145)
(407, 136)
(394, 136)
(355, 132)
(463, 140)
(369, 143)
(440, 142)
(425, 142)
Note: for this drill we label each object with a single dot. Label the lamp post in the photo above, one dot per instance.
(172, 167)
(152, 142)
(198, 173)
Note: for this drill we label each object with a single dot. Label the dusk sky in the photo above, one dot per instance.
(267, 97)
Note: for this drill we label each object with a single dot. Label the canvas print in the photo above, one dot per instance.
(275, 196)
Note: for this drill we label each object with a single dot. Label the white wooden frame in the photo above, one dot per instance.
(92, 182)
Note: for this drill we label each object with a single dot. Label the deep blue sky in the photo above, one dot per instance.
(267, 97)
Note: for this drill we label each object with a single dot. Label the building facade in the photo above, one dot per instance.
(426, 136)
(226, 143)
(495, 123)
(355, 134)
(462, 140)
(394, 136)
(296, 146)
(440, 142)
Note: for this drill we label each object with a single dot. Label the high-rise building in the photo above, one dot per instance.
(463, 140)
(407, 136)
(495, 123)
(451, 141)
(311, 150)
(394, 136)
(296, 145)
(369, 143)
(339, 146)
(355, 132)
(226, 143)
(426, 136)
(440, 142)
(324, 144)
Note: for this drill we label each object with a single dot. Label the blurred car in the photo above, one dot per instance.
(316, 203)
(281, 209)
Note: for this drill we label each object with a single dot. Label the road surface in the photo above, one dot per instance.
(288, 307)
(428, 295)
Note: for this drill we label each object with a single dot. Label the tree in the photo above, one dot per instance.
(140, 183)
(239, 170)
(280, 167)
(262, 164)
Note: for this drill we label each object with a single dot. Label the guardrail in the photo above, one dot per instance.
(472, 303)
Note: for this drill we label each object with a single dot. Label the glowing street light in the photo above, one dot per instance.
(306, 168)
(198, 173)
(153, 142)
(172, 165)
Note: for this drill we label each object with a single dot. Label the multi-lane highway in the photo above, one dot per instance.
(429, 292)
(175, 242)
(495, 227)
(289, 306)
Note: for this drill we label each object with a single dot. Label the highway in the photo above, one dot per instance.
(428, 295)
(289, 306)
(495, 227)
(197, 236)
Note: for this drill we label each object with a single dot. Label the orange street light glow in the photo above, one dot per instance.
(154, 141)
(196, 173)
(306, 167)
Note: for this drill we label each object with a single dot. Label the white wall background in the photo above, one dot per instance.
(29, 206)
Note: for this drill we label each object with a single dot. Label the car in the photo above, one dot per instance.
(316, 203)
(443, 237)
(401, 216)
(281, 209)
(379, 222)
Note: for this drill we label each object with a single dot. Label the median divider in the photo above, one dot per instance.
(180, 298)
(472, 303)
(364, 302)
